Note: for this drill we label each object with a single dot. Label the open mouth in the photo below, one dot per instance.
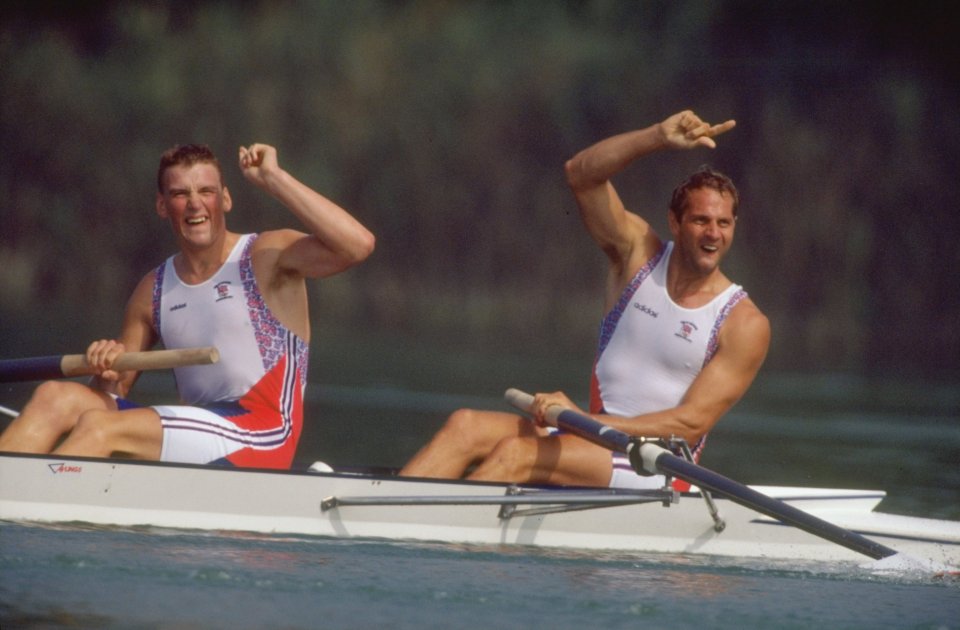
(195, 220)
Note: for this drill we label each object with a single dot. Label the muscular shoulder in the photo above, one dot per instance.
(138, 331)
(637, 244)
(140, 303)
(645, 241)
(269, 247)
(746, 329)
(143, 292)
(277, 239)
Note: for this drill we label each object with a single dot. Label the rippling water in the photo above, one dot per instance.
(789, 432)
(81, 577)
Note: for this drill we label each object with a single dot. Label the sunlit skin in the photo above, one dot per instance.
(195, 201)
(506, 447)
(702, 237)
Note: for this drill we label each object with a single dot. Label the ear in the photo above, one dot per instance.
(161, 207)
(673, 223)
(227, 200)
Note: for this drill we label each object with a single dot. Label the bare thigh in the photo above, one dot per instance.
(570, 460)
(51, 413)
(557, 459)
(134, 433)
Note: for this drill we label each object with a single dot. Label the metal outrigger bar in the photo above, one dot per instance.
(547, 500)
(537, 501)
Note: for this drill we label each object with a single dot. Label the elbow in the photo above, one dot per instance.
(360, 249)
(573, 172)
(581, 174)
(366, 245)
(347, 256)
(693, 435)
(693, 427)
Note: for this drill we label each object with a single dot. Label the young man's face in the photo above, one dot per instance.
(704, 233)
(195, 203)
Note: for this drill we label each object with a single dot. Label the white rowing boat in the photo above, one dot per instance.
(49, 489)
(742, 521)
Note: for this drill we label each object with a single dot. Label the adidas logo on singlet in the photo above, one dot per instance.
(643, 308)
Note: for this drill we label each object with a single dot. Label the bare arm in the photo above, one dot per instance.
(137, 334)
(627, 239)
(336, 240)
(744, 341)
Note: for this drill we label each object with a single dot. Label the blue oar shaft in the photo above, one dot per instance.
(596, 432)
(32, 369)
(668, 463)
(649, 458)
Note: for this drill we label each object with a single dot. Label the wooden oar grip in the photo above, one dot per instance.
(68, 365)
(76, 364)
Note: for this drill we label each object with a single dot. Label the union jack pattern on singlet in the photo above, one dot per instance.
(248, 407)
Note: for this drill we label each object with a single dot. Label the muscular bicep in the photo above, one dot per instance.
(610, 225)
(744, 341)
(627, 239)
(303, 255)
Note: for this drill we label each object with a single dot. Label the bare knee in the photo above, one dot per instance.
(91, 430)
(476, 432)
(58, 404)
(461, 424)
(106, 432)
(512, 459)
(52, 395)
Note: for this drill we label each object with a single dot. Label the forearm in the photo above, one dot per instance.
(602, 161)
(682, 422)
(325, 220)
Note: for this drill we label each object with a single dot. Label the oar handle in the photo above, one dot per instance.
(519, 399)
(524, 402)
(76, 364)
(576, 423)
(70, 365)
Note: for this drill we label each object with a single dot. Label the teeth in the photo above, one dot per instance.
(196, 220)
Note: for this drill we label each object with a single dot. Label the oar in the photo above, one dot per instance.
(68, 365)
(648, 457)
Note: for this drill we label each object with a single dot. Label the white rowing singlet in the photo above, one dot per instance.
(226, 311)
(651, 349)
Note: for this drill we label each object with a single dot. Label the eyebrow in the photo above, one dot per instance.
(180, 189)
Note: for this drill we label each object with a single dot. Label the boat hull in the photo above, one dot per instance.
(121, 493)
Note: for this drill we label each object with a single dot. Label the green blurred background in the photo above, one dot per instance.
(443, 126)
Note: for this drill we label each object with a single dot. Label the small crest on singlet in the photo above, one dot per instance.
(223, 290)
(686, 330)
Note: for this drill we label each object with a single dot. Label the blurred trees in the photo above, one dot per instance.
(444, 126)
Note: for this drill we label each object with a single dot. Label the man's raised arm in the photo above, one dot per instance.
(625, 238)
(338, 241)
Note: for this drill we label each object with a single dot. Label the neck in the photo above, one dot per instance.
(690, 287)
(194, 265)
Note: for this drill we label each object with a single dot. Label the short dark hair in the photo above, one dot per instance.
(186, 155)
(704, 177)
